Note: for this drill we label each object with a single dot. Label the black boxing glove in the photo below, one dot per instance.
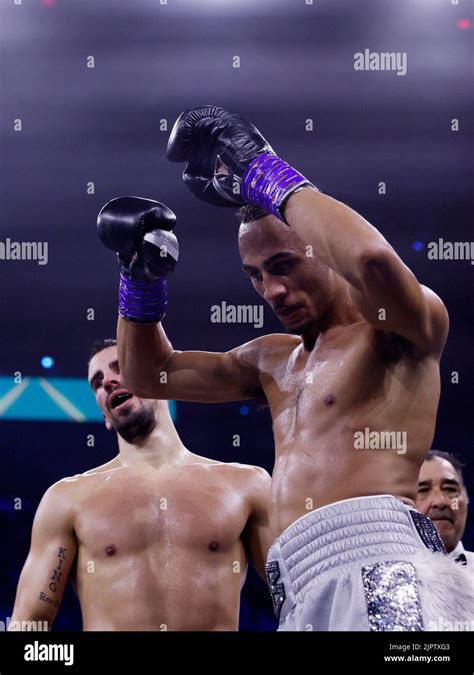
(139, 231)
(209, 138)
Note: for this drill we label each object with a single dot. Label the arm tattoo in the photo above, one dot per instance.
(56, 574)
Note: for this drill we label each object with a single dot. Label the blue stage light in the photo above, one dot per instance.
(47, 362)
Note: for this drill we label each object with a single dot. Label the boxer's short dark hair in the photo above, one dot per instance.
(454, 461)
(99, 345)
(250, 213)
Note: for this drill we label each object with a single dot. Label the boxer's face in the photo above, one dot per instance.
(129, 415)
(443, 497)
(297, 286)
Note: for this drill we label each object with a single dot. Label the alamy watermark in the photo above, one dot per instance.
(226, 313)
(33, 626)
(24, 250)
(367, 60)
(451, 250)
(38, 651)
(381, 440)
(444, 625)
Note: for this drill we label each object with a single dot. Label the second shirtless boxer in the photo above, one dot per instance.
(156, 539)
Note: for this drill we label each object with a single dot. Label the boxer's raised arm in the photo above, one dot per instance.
(383, 288)
(139, 231)
(151, 368)
(46, 570)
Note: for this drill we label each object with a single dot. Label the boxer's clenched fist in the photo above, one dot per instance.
(229, 162)
(139, 231)
(217, 146)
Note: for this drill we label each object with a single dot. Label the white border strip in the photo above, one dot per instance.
(61, 401)
(11, 396)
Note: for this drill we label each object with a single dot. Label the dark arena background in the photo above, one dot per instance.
(89, 92)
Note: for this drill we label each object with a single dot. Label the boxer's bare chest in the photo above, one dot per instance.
(309, 390)
(127, 512)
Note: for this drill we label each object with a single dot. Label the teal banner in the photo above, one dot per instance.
(53, 398)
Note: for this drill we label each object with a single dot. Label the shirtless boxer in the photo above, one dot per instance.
(157, 538)
(359, 370)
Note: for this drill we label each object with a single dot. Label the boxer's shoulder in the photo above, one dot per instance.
(267, 345)
(279, 340)
(254, 485)
(234, 471)
(273, 348)
(233, 468)
(247, 470)
(112, 464)
(72, 487)
(60, 498)
(246, 479)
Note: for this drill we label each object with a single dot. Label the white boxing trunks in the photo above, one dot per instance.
(367, 564)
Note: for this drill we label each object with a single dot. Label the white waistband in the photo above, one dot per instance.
(343, 533)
